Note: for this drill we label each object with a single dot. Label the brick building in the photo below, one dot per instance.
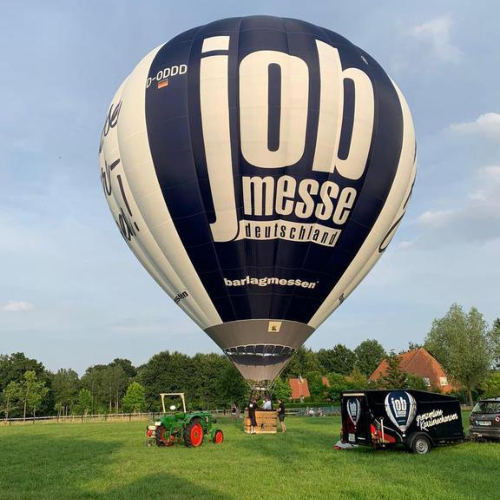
(420, 363)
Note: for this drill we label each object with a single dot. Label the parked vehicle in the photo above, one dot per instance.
(417, 420)
(484, 420)
(183, 426)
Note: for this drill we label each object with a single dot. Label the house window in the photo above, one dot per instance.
(427, 381)
(443, 381)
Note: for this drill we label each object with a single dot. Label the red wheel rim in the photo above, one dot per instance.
(162, 436)
(219, 437)
(196, 435)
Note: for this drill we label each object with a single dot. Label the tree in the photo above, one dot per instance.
(115, 380)
(417, 383)
(358, 379)
(232, 386)
(340, 359)
(282, 390)
(127, 366)
(134, 400)
(12, 369)
(94, 381)
(412, 346)
(394, 378)
(369, 354)
(205, 385)
(491, 386)
(304, 361)
(65, 385)
(107, 384)
(317, 389)
(85, 401)
(33, 391)
(494, 339)
(338, 384)
(10, 400)
(166, 372)
(460, 342)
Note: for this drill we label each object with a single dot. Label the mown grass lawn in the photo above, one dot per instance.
(109, 461)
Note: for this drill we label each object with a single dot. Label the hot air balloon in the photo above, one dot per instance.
(258, 167)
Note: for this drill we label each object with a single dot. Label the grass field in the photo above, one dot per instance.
(109, 461)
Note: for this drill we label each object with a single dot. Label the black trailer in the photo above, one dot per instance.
(416, 419)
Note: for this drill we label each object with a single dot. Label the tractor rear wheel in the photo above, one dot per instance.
(193, 434)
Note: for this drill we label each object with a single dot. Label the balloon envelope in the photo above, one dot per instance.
(258, 168)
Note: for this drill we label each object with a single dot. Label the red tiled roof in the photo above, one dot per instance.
(300, 388)
(325, 381)
(418, 362)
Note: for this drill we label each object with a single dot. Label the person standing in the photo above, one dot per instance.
(252, 408)
(281, 415)
(267, 404)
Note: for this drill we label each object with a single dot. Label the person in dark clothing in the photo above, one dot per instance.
(281, 415)
(252, 408)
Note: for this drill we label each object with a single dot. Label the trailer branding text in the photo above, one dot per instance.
(434, 417)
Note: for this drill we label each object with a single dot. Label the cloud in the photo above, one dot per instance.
(476, 219)
(17, 305)
(435, 219)
(487, 125)
(437, 33)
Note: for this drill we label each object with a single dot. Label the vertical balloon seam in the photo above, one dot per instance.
(198, 184)
(278, 243)
(352, 222)
(330, 177)
(138, 247)
(147, 261)
(142, 254)
(201, 316)
(275, 249)
(310, 243)
(318, 318)
(237, 149)
(197, 177)
(194, 277)
(352, 284)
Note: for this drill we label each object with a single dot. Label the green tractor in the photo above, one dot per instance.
(177, 426)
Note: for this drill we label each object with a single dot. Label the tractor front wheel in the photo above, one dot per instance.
(160, 436)
(218, 437)
(193, 434)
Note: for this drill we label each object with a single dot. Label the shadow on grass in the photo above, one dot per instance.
(39, 465)
(162, 486)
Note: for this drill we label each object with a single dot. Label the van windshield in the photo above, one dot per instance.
(487, 407)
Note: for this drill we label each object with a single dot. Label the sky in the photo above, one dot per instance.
(71, 292)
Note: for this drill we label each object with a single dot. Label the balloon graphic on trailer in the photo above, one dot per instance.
(401, 408)
(258, 168)
(354, 410)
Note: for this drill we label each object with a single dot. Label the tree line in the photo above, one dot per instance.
(462, 342)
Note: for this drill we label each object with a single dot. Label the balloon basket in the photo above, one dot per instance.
(267, 422)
